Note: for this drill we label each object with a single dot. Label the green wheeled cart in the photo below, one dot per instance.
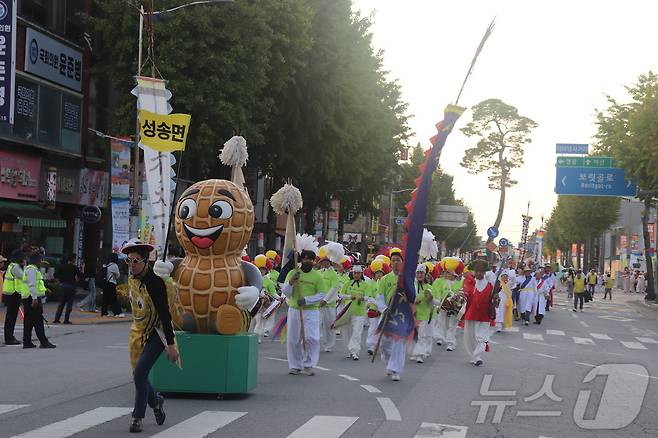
(213, 364)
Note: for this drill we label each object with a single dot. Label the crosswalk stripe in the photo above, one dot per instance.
(77, 424)
(321, 426)
(633, 345)
(584, 324)
(555, 332)
(350, 378)
(533, 337)
(8, 408)
(371, 388)
(601, 336)
(200, 425)
(545, 355)
(433, 430)
(646, 340)
(508, 329)
(584, 341)
(390, 410)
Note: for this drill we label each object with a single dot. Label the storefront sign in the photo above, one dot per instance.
(93, 187)
(91, 214)
(51, 186)
(19, 176)
(52, 60)
(7, 59)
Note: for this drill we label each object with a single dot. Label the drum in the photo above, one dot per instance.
(454, 303)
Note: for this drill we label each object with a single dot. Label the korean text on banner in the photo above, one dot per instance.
(120, 223)
(7, 59)
(163, 132)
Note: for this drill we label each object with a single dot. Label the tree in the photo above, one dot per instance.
(299, 79)
(502, 132)
(580, 219)
(628, 132)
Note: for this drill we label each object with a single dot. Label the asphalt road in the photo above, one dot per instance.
(598, 370)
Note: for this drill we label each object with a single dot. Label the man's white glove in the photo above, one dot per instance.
(247, 297)
(163, 269)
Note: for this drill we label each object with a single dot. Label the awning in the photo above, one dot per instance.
(31, 215)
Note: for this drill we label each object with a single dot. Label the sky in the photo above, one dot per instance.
(553, 60)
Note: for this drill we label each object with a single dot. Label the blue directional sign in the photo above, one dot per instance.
(503, 242)
(593, 181)
(492, 232)
(571, 148)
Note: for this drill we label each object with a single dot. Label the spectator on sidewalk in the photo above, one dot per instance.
(627, 281)
(88, 304)
(112, 275)
(641, 286)
(11, 294)
(69, 275)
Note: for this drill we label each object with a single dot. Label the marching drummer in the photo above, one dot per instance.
(449, 301)
(352, 311)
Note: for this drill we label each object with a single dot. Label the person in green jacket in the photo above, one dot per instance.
(445, 327)
(259, 324)
(11, 294)
(355, 293)
(424, 308)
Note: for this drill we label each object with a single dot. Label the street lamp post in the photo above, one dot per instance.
(390, 211)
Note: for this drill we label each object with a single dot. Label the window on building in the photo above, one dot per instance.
(45, 116)
(49, 109)
(50, 14)
(25, 111)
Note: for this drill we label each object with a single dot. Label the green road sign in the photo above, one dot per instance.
(584, 162)
(597, 162)
(569, 162)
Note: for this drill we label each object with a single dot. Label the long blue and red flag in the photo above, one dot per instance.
(399, 321)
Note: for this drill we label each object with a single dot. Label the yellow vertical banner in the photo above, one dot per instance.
(163, 132)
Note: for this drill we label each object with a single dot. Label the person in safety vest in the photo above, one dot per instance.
(11, 294)
(33, 290)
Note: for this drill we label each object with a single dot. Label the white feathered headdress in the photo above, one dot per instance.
(335, 252)
(234, 154)
(305, 242)
(428, 247)
(288, 199)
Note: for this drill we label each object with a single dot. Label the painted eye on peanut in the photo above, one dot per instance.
(220, 210)
(187, 209)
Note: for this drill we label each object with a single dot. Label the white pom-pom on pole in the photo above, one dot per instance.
(287, 200)
(234, 154)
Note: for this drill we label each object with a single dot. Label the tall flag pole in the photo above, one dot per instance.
(398, 321)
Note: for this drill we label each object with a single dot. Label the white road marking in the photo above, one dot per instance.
(433, 430)
(276, 358)
(77, 424)
(585, 364)
(574, 315)
(118, 347)
(646, 340)
(584, 341)
(8, 408)
(555, 332)
(584, 324)
(515, 348)
(616, 318)
(509, 329)
(371, 388)
(545, 355)
(390, 410)
(533, 337)
(541, 343)
(601, 336)
(633, 345)
(350, 378)
(321, 426)
(321, 368)
(200, 425)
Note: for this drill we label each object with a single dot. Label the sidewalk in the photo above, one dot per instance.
(77, 316)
